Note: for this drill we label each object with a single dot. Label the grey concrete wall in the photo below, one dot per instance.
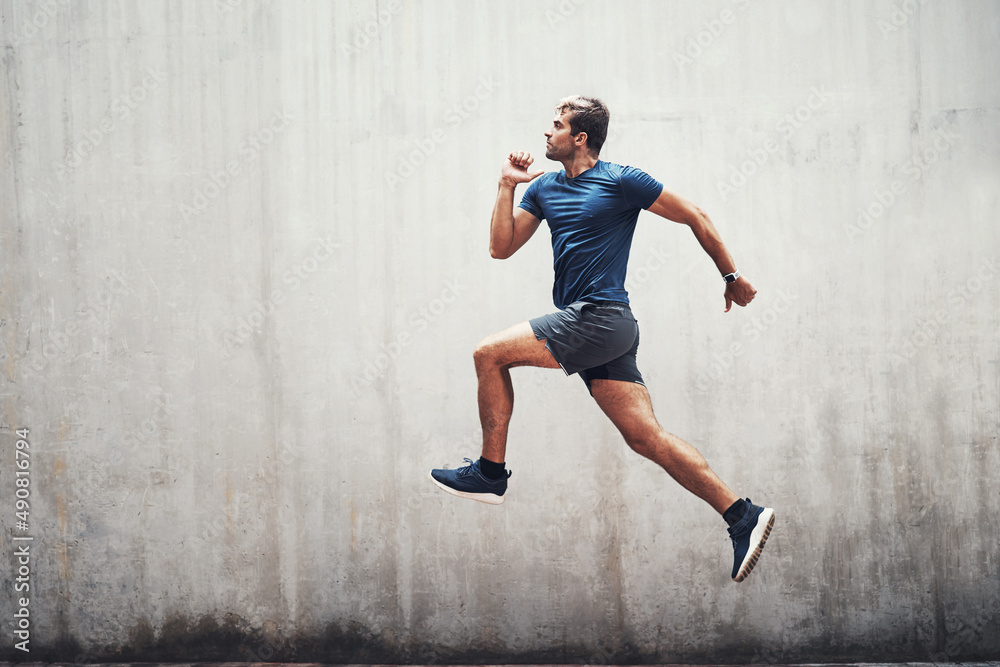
(244, 266)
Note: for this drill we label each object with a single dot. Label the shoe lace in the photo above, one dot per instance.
(465, 471)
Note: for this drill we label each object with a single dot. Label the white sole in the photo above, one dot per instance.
(759, 536)
(488, 498)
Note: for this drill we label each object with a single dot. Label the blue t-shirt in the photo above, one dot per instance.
(592, 218)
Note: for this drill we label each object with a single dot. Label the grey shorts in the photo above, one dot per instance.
(597, 340)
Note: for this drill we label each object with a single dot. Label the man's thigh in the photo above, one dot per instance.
(586, 335)
(627, 405)
(515, 346)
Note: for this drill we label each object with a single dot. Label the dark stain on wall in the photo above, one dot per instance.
(232, 639)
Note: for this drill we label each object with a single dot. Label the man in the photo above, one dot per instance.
(591, 208)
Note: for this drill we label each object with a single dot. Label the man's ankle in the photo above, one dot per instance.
(735, 511)
(492, 469)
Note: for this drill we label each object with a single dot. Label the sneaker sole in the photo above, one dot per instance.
(760, 534)
(488, 498)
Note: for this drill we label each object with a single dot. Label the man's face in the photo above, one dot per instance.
(559, 142)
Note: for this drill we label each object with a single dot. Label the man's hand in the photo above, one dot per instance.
(741, 292)
(515, 169)
(510, 226)
(678, 209)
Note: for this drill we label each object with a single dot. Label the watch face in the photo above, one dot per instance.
(730, 278)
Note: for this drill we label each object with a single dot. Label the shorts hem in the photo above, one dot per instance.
(576, 353)
(548, 346)
(589, 382)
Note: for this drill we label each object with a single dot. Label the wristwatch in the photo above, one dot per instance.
(731, 277)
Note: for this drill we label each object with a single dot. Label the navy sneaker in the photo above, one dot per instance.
(469, 482)
(749, 535)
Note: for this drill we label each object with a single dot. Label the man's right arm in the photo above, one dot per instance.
(510, 227)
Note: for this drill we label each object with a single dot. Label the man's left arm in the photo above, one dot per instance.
(678, 209)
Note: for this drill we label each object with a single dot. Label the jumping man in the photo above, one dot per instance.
(591, 207)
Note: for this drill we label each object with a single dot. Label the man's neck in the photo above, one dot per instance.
(578, 164)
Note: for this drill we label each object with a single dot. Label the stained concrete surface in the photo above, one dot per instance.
(322, 664)
(244, 266)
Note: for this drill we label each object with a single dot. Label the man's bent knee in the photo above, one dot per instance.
(485, 354)
(643, 435)
(516, 346)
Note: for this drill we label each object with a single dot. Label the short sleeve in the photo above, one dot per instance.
(529, 202)
(640, 189)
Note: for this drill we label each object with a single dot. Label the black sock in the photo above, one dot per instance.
(735, 512)
(492, 470)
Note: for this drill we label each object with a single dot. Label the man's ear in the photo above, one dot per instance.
(580, 139)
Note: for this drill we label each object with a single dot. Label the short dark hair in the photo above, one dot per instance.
(588, 115)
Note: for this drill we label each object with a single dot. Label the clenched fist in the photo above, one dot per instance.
(515, 169)
(740, 292)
